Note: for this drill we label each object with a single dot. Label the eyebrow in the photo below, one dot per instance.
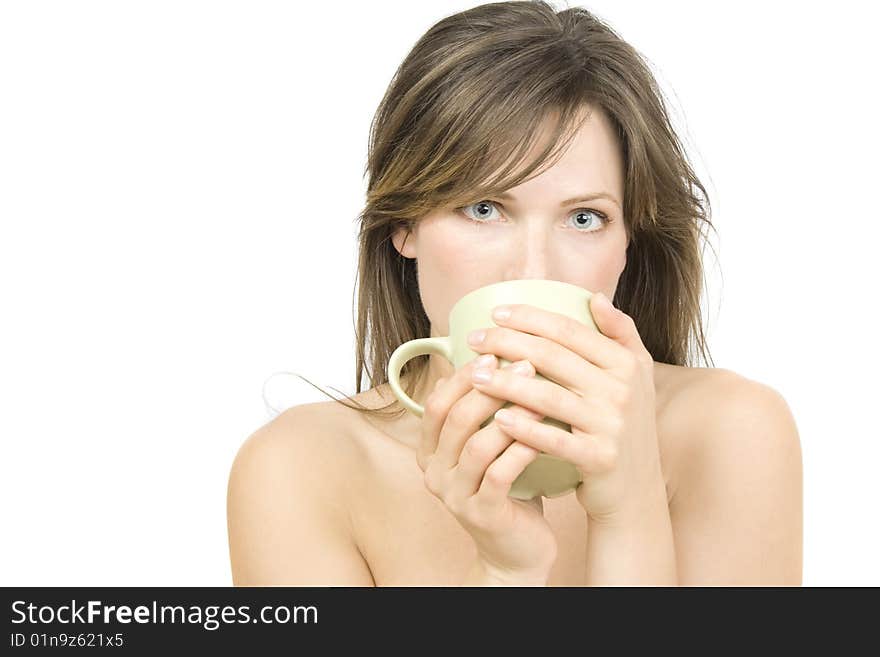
(581, 198)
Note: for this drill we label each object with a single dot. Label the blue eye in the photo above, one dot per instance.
(478, 204)
(584, 217)
(589, 222)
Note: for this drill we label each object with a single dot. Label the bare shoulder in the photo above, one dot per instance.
(288, 515)
(737, 509)
(720, 402)
(317, 427)
(311, 441)
(700, 409)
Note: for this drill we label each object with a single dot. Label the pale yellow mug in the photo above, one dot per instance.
(547, 475)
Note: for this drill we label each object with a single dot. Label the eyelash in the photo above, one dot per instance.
(605, 219)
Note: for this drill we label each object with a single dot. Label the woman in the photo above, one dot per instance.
(518, 142)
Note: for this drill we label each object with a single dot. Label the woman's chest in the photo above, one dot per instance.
(409, 538)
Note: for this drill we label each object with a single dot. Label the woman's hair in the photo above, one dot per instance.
(467, 102)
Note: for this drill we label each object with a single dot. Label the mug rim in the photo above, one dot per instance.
(485, 288)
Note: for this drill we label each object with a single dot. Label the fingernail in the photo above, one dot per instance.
(486, 360)
(482, 375)
(501, 312)
(505, 417)
(476, 337)
(522, 367)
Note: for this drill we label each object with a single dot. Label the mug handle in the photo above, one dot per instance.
(441, 346)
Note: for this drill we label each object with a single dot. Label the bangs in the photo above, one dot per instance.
(505, 155)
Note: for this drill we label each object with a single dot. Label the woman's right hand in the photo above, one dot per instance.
(470, 469)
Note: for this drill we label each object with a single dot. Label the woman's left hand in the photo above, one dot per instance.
(599, 382)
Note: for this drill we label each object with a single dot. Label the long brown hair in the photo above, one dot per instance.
(465, 106)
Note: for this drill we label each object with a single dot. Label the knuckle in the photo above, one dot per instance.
(456, 420)
(568, 404)
(495, 476)
(560, 441)
(546, 397)
(568, 330)
(633, 366)
(435, 406)
(546, 350)
(620, 395)
(606, 458)
(473, 514)
(615, 423)
(475, 450)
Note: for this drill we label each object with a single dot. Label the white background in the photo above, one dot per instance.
(179, 183)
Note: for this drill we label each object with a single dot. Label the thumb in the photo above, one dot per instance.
(615, 323)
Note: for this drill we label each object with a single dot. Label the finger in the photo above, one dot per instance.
(467, 416)
(552, 360)
(542, 396)
(500, 475)
(587, 452)
(600, 345)
(438, 404)
(479, 451)
(618, 326)
(428, 434)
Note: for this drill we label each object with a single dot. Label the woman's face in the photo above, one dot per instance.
(529, 234)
